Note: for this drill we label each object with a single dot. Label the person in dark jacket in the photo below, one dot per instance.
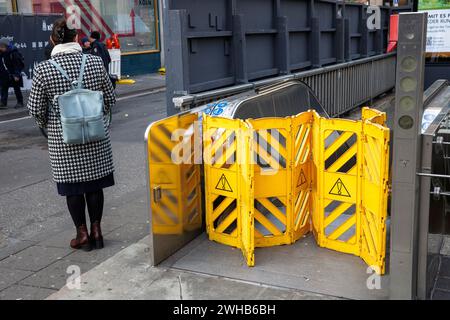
(98, 48)
(86, 45)
(11, 67)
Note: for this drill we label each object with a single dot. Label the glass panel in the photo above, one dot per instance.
(133, 20)
(5, 6)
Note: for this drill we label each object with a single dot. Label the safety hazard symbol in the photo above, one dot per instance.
(339, 189)
(223, 184)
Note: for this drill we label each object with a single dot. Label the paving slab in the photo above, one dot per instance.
(34, 258)
(111, 222)
(11, 246)
(302, 266)
(97, 256)
(59, 239)
(130, 233)
(48, 233)
(9, 277)
(17, 292)
(128, 275)
(55, 276)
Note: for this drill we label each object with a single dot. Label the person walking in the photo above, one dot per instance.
(81, 171)
(11, 67)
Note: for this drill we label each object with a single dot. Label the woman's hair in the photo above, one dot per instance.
(62, 33)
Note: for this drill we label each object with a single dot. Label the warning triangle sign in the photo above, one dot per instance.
(339, 189)
(223, 184)
(301, 179)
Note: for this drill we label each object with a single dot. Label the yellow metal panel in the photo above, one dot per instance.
(318, 139)
(269, 185)
(375, 194)
(374, 116)
(272, 145)
(340, 187)
(176, 209)
(224, 182)
(229, 184)
(302, 177)
(339, 195)
(246, 189)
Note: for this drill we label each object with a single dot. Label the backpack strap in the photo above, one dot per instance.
(83, 65)
(75, 84)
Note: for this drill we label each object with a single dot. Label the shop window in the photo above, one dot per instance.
(6, 6)
(135, 21)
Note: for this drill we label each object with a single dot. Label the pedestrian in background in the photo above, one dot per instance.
(81, 171)
(98, 48)
(11, 67)
(86, 45)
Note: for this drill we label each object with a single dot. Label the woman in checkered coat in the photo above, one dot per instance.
(81, 172)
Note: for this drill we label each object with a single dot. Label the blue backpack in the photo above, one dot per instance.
(82, 115)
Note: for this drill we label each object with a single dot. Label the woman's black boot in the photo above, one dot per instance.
(96, 235)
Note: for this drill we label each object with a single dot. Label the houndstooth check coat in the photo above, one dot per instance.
(71, 163)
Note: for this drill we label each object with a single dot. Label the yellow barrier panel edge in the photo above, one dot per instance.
(232, 182)
(273, 183)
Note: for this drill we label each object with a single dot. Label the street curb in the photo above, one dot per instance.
(138, 92)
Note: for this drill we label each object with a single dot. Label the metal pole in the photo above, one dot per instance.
(424, 209)
(407, 156)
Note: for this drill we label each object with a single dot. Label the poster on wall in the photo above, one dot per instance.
(30, 34)
(438, 34)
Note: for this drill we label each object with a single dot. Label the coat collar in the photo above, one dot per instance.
(66, 48)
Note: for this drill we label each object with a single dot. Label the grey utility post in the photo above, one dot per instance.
(406, 155)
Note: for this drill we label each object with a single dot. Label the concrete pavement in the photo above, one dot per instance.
(35, 227)
(129, 276)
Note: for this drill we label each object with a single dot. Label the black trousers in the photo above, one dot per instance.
(17, 91)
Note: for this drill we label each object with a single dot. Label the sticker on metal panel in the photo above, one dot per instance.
(301, 179)
(223, 184)
(339, 189)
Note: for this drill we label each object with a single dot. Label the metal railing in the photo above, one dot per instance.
(340, 88)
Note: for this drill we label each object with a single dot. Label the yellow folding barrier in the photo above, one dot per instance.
(353, 187)
(282, 173)
(270, 181)
(174, 208)
(374, 190)
(229, 184)
(338, 171)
